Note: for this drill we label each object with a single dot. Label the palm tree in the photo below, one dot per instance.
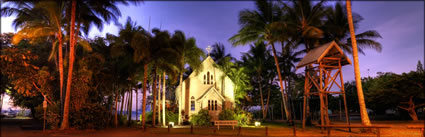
(219, 52)
(363, 111)
(189, 54)
(164, 58)
(263, 24)
(306, 18)
(43, 19)
(257, 60)
(89, 12)
(336, 28)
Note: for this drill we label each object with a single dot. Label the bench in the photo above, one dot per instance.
(219, 123)
(378, 134)
(421, 129)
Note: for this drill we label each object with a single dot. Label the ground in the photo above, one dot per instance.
(13, 128)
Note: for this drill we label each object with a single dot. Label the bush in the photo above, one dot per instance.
(243, 117)
(52, 115)
(148, 117)
(171, 117)
(201, 119)
(90, 116)
(226, 114)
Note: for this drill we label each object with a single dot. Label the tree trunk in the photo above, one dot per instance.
(163, 100)
(363, 111)
(1, 102)
(122, 102)
(268, 100)
(159, 99)
(130, 105)
(116, 109)
(180, 99)
(261, 98)
(145, 77)
(280, 81)
(137, 101)
(60, 64)
(65, 123)
(154, 100)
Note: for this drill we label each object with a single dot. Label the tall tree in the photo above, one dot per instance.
(336, 29)
(189, 54)
(263, 24)
(363, 111)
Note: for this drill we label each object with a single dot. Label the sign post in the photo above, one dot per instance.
(44, 115)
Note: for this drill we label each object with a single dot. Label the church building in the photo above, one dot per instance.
(208, 89)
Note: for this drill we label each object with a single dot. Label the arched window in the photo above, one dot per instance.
(209, 105)
(208, 77)
(205, 79)
(215, 105)
(192, 103)
(212, 79)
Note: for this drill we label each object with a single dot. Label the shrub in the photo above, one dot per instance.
(90, 116)
(243, 117)
(201, 119)
(171, 117)
(148, 117)
(52, 115)
(226, 114)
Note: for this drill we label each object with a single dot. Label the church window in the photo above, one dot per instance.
(192, 103)
(209, 105)
(208, 77)
(205, 80)
(215, 105)
(212, 79)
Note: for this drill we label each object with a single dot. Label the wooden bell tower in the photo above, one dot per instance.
(322, 71)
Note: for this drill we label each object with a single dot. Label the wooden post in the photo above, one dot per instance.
(144, 128)
(44, 114)
(305, 98)
(378, 133)
(239, 132)
(295, 131)
(191, 129)
(267, 131)
(169, 128)
(321, 97)
(329, 131)
(347, 117)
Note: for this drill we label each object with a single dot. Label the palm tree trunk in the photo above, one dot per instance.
(363, 111)
(268, 99)
(65, 123)
(145, 77)
(163, 100)
(137, 101)
(60, 70)
(159, 99)
(116, 109)
(154, 100)
(280, 81)
(261, 98)
(122, 102)
(180, 99)
(130, 105)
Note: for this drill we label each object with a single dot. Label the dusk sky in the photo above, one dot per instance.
(401, 25)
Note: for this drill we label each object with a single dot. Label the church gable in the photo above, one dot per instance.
(211, 93)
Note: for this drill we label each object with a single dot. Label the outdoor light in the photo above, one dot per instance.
(171, 123)
(257, 124)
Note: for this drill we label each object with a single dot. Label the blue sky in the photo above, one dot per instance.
(401, 25)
